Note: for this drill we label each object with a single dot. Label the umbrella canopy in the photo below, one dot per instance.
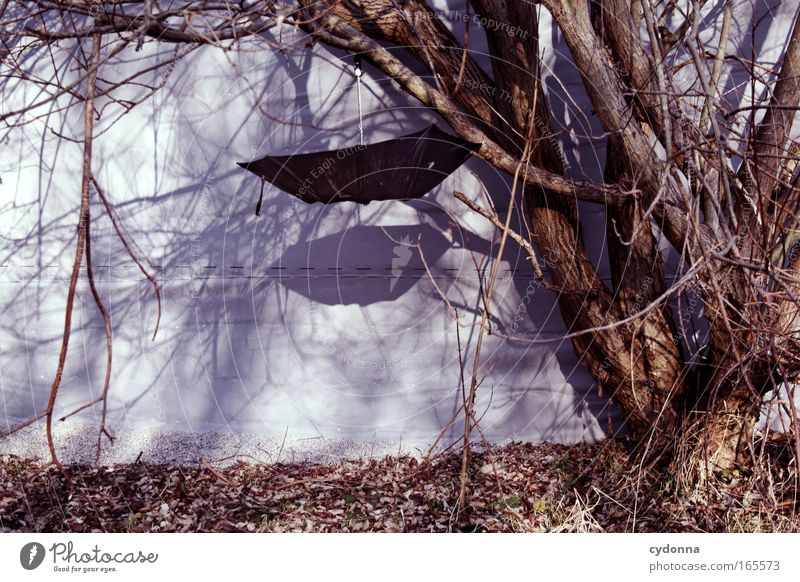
(397, 169)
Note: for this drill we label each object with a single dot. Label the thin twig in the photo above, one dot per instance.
(83, 222)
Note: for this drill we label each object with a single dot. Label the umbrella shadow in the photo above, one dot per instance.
(362, 265)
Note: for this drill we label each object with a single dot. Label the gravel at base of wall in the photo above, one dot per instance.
(77, 443)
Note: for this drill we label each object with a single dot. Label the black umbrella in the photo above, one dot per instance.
(397, 169)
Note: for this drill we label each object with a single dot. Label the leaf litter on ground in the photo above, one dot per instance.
(519, 487)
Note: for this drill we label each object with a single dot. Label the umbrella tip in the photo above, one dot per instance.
(260, 199)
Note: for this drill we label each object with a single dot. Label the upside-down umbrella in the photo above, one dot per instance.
(397, 169)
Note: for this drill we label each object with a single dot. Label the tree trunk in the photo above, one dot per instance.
(639, 361)
(717, 438)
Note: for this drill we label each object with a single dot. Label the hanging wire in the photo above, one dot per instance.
(358, 73)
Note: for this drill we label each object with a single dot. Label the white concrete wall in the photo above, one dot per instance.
(291, 321)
